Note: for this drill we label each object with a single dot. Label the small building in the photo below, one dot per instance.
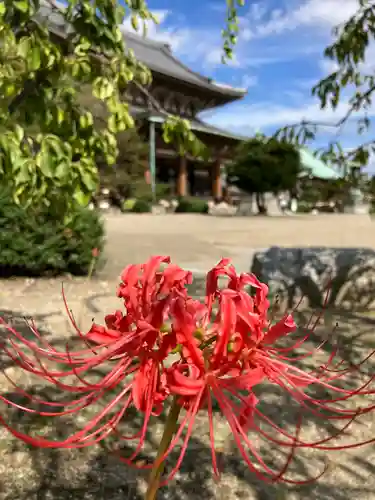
(177, 90)
(315, 168)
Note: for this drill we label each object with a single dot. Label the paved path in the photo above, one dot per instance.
(198, 242)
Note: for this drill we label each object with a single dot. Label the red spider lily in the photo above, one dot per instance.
(223, 349)
(134, 344)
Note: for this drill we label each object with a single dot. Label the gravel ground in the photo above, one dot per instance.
(34, 474)
(198, 242)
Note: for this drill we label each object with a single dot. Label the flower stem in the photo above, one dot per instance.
(159, 464)
(91, 267)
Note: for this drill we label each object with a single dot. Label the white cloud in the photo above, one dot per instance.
(268, 114)
(248, 81)
(327, 66)
(213, 56)
(173, 37)
(152, 28)
(301, 28)
(369, 64)
(323, 14)
(205, 44)
(257, 11)
(195, 44)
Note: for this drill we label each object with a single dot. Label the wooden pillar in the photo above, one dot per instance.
(217, 191)
(152, 160)
(181, 187)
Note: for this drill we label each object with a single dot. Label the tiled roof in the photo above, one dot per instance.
(157, 56)
(315, 167)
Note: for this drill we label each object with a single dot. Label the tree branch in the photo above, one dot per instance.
(151, 98)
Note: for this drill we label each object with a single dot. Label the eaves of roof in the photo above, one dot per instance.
(195, 124)
(155, 55)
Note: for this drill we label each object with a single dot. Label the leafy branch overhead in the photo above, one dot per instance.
(51, 141)
(351, 84)
(231, 30)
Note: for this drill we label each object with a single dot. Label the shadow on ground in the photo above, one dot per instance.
(28, 473)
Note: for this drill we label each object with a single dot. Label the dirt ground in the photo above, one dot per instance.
(197, 242)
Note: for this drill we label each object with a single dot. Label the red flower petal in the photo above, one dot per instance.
(280, 329)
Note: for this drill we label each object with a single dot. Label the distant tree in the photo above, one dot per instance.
(264, 165)
(370, 192)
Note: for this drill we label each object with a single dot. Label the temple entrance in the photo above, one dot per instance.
(166, 172)
(197, 179)
(200, 180)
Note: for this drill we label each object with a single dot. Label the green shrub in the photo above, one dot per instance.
(304, 207)
(33, 242)
(128, 204)
(192, 205)
(141, 207)
(142, 191)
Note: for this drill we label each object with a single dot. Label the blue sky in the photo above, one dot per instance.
(279, 57)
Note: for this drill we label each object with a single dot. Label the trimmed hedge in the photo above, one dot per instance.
(128, 205)
(33, 242)
(142, 191)
(141, 207)
(192, 205)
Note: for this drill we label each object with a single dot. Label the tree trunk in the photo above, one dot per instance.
(261, 203)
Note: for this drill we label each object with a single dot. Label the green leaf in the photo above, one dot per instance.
(54, 144)
(135, 23)
(24, 46)
(21, 5)
(60, 140)
(9, 90)
(110, 159)
(62, 169)
(23, 174)
(45, 162)
(103, 88)
(19, 132)
(119, 14)
(112, 124)
(89, 181)
(82, 198)
(34, 59)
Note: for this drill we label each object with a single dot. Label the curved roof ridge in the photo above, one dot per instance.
(157, 55)
(168, 52)
(144, 39)
(204, 79)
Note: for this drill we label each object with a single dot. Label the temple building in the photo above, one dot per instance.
(177, 90)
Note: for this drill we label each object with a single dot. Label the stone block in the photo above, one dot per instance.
(245, 209)
(307, 273)
(222, 209)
